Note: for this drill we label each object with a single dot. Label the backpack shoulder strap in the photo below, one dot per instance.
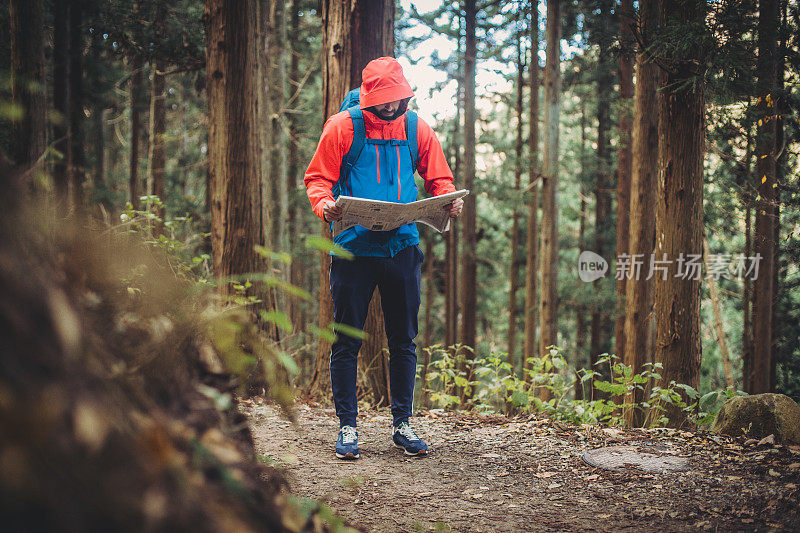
(411, 135)
(350, 158)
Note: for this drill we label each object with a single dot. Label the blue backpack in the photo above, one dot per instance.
(351, 105)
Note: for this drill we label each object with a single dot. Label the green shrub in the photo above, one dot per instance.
(489, 384)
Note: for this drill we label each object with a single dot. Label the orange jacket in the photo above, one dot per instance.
(382, 83)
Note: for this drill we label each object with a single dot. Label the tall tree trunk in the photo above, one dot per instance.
(336, 58)
(278, 155)
(469, 267)
(451, 278)
(451, 266)
(372, 35)
(624, 163)
(233, 50)
(514, 267)
(61, 100)
(263, 131)
(679, 211)
(781, 110)
(98, 113)
(29, 135)
(532, 238)
(776, 266)
(747, 300)
(719, 329)
(137, 86)
(183, 141)
(352, 35)
(100, 147)
(600, 317)
(747, 286)
(451, 284)
(468, 283)
(580, 312)
(156, 180)
(764, 237)
(644, 183)
(77, 138)
(293, 183)
(273, 134)
(548, 310)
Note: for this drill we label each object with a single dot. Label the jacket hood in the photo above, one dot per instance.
(383, 82)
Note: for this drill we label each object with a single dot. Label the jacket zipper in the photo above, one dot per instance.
(378, 164)
(398, 172)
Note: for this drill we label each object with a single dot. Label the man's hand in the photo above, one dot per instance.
(331, 212)
(455, 207)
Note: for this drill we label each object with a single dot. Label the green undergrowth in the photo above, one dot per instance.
(187, 251)
(456, 379)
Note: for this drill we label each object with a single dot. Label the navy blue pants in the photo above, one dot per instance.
(398, 279)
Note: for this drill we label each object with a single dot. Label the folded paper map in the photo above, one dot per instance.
(377, 215)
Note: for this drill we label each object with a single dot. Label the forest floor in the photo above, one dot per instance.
(492, 473)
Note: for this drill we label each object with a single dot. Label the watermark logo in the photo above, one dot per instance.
(591, 266)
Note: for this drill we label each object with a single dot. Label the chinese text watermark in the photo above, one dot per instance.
(592, 266)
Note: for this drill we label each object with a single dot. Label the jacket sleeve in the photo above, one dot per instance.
(432, 165)
(323, 171)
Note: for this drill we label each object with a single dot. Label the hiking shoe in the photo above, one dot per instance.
(405, 438)
(347, 443)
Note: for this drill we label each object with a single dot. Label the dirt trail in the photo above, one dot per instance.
(503, 474)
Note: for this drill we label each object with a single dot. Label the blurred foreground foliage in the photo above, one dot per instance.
(118, 389)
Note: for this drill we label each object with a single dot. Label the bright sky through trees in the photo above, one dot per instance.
(493, 76)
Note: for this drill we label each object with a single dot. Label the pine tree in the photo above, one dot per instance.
(469, 268)
(136, 99)
(28, 84)
(236, 172)
(61, 100)
(681, 101)
(548, 310)
(644, 174)
(760, 378)
(157, 157)
(530, 346)
(513, 272)
(77, 169)
(626, 90)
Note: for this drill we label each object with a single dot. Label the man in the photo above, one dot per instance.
(382, 169)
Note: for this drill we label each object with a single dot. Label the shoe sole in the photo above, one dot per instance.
(410, 454)
(348, 456)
